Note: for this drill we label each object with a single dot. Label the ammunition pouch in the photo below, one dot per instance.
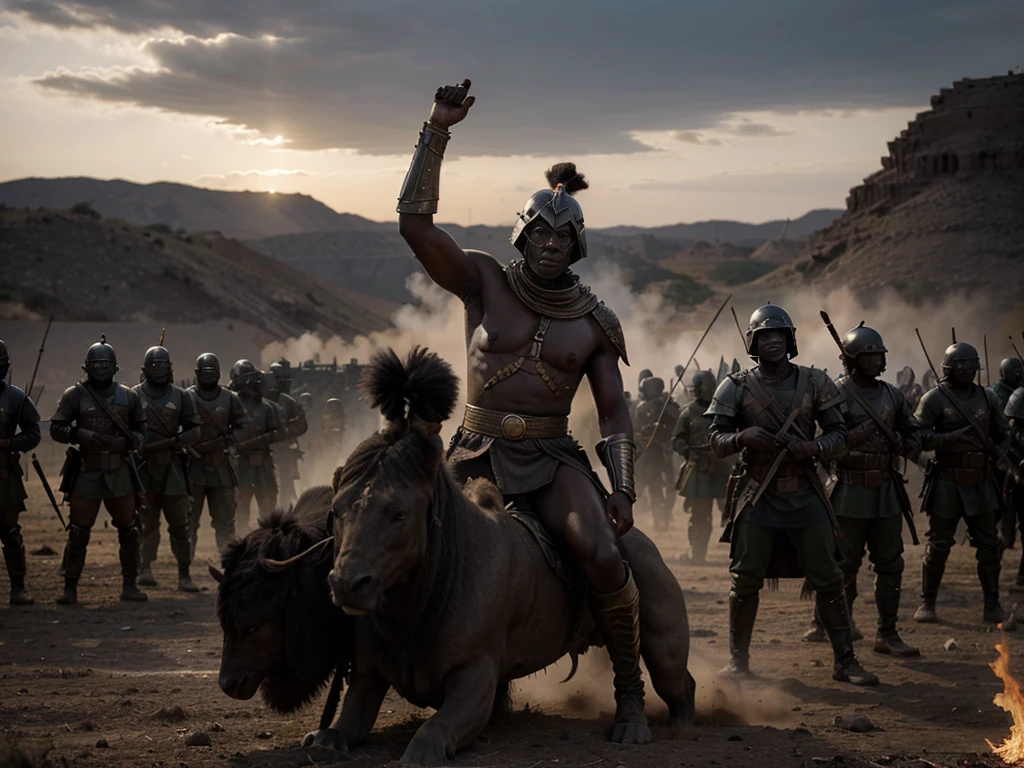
(865, 461)
(967, 476)
(69, 472)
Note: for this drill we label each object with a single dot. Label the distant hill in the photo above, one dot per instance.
(738, 232)
(83, 268)
(180, 206)
(945, 212)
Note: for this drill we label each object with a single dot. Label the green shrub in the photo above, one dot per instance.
(85, 209)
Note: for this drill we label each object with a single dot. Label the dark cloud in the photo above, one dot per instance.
(572, 77)
(695, 137)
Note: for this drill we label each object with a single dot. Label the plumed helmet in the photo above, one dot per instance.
(961, 355)
(770, 317)
(1011, 371)
(100, 360)
(156, 365)
(556, 206)
(207, 368)
(5, 360)
(652, 387)
(1015, 405)
(702, 384)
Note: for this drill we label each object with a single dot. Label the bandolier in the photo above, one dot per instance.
(869, 497)
(656, 415)
(703, 476)
(211, 476)
(106, 422)
(781, 521)
(172, 419)
(254, 457)
(959, 482)
(19, 432)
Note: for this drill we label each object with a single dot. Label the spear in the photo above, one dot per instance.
(679, 377)
(32, 381)
(1015, 349)
(161, 342)
(738, 328)
(988, 375)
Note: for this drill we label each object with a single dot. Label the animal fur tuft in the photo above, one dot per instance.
(425, 382)
(484, 494)
(566, 175)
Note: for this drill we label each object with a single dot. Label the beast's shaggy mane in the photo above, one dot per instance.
(317, 634)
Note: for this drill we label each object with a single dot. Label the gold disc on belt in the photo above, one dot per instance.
(513, 427)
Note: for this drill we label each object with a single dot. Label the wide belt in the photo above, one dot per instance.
(513, 426)
(966, 460)
(871, 478)
(789, 478)
(862, 461)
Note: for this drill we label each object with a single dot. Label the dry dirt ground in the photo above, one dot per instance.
(142, 678)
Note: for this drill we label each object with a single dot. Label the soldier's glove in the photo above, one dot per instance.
(952, 438)
(116, 445)
(86, 438)
(804, 449)
(757, 439)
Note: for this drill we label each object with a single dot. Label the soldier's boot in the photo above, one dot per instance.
(988, 575)
(181, 548)
(14, 557)
(150, 544)
(835, 616)
(850, 585)
(887, 598)
(742, 613)
(129, 540)
(1018, 585)
(74, 562)
(699, 535)
(618, 619)
(932, 568)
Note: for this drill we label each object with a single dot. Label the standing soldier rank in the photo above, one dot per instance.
(1011, 373)
(211, 475)
(19, 432)
(656, 414)
(960, 419)
(173, 423)
(703, 476)
(105, 425)
(293, 422)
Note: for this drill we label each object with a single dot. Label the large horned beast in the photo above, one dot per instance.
(456, 599)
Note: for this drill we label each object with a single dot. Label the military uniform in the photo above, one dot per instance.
(210, 473)
(869, 497)
(703, 476)
(1011, 371)
(173, 423)
(101, 469)
(959, 482)
(293, 421)
(1014, 412)
(253, 455)
(19, 432)
(656, 414)
(787, 532)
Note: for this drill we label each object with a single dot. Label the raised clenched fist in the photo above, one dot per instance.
(451, 104)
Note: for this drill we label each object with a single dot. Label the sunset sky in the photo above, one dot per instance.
(676, 111)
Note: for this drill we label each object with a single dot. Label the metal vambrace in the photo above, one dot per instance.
(421, 189)
(616, 453)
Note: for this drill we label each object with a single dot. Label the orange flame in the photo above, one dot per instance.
(1012, 700)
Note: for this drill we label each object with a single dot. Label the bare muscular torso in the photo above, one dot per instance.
(500, 329)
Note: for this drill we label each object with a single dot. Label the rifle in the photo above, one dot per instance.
(49, 493)
(886, 430)
(682, 373)
(988, 373)
(132, 454)
(993, 450)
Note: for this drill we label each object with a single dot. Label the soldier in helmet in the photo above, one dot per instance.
(959, 482)
(544, 331)
(869, 498)
(107, 423)
(656, 415)
(703, 476)
(1014, 413)
(1011, 376)
(254, 458)
(173, 423)
(19, 432)
(781, 521)
(293, 422)
(211, 476)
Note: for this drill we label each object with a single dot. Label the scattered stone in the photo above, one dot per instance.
(854, 723)
(703, 633)
(815, 663)
(173, 714)
(217, 728)
(265, 735)
(199, 739)
(735, 737)
(951, 644)
(44, 551)
(102, 744)
(126, 629)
